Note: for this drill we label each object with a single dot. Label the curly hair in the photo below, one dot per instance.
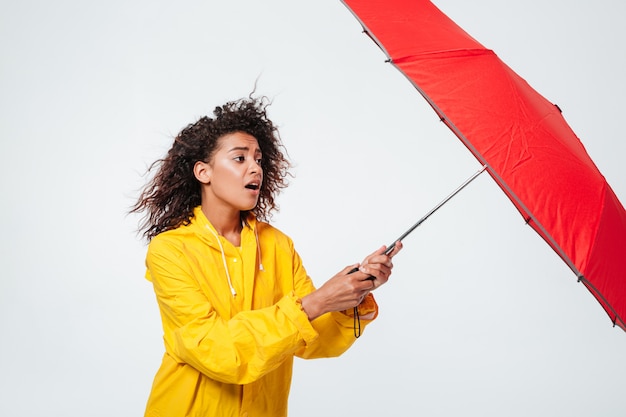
(169, 198)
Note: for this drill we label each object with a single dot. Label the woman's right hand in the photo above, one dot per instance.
(343, 291)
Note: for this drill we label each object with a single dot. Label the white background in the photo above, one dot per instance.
(481, 317)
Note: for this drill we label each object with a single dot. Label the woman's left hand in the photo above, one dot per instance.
(378, 265)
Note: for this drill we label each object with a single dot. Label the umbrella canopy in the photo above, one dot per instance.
(523, 140)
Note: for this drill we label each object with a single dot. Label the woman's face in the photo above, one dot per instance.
(234, 173)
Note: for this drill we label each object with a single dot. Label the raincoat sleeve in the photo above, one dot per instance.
(239, 350)
(336, 329)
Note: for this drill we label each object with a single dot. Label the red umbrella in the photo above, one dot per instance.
(523, 140)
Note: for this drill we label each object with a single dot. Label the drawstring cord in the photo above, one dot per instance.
(219, 242)
(258, 250)
(355, 315)
(357, 323)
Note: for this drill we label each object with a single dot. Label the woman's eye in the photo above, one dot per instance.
(239, 158)
(258, 161)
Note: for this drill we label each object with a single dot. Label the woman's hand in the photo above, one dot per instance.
(348, 287)
(378, 265)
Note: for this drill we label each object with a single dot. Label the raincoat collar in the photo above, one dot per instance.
(200, 223)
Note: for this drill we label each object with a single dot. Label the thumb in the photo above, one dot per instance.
(350, 269)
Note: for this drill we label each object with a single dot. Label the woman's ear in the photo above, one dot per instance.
(202, 172)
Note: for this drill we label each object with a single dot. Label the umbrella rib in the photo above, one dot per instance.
(448, 53)
(367, 31)
(617, 321)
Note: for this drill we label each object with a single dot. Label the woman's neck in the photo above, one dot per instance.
(227, 225)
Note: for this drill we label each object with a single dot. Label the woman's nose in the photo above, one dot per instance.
(254, 166)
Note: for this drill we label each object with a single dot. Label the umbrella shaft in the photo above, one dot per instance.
(437, 207)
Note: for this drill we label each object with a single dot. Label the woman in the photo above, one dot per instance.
(236, 303)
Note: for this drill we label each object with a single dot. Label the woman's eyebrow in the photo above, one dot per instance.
(239, 148)
(244, 148)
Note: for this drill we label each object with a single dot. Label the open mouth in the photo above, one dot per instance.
(252, 186)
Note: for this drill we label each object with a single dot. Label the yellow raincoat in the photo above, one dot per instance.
(232, 355)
